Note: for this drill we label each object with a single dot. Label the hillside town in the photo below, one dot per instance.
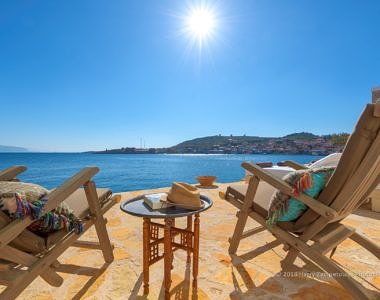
(318, 146)
(298, 143)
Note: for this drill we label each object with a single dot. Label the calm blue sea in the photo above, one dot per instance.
(127, 172)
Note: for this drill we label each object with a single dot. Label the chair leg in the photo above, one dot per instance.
(333, 252)
(289, 259)
(350, 284)
(51, 277)
(366, 243)
(99, 222)
(329, 266)
(239, 228)
(243, 214)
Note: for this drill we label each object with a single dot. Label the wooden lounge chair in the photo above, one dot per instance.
(24, 255)
(318, 230)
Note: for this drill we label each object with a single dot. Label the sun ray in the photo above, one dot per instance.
(200, 25)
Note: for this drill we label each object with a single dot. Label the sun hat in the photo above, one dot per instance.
(185, 195)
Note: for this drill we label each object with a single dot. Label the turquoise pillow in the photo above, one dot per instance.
(295, 207)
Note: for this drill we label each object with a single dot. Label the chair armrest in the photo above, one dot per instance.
(69, 186)
(294, 165)
(325, 211)
(11, 173)
(13, 229)
(265, 164)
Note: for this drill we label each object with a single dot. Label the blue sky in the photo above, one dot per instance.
(87, 75)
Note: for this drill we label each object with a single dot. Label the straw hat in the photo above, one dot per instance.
(185, 195)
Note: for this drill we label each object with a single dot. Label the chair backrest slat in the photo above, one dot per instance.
(365, 177)
(358, 145)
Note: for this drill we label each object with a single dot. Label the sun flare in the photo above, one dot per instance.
(201, 22)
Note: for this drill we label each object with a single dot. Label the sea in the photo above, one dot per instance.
(130, 172)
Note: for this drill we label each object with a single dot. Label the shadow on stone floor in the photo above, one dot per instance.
(182, 290)
(134, 292)
(236, 259)
(315, 286)
(93, 273)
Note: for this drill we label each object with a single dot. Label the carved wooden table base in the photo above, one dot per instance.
(173, 239)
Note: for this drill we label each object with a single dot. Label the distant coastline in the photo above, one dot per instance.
(302, 143)
(297, 143)
(6, 149)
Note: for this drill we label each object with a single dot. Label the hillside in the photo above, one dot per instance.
(295, 143)
(301, 136)
(302, 142)
(4, 148)
(220, 140)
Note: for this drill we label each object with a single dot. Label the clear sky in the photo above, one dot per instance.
(88, 75)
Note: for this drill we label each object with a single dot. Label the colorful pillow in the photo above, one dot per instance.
(309, 181)
(19, 200)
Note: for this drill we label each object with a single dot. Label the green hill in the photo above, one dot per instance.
(223, 141)
(220, 140)
(301, 136)
(295, 143)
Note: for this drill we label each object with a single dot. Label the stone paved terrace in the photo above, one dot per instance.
(254, 276)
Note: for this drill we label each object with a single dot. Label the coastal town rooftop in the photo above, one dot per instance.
(254, 272)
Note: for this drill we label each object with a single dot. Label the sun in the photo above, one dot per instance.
(201, 27)
(200, 23)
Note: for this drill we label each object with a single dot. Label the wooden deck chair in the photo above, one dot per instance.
(24, 255)
(318, 231)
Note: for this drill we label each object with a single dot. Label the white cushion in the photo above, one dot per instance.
(279, 171)
(327, 161)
